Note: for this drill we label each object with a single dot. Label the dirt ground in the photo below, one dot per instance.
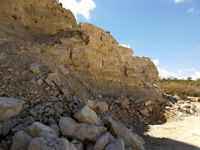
(179, 135)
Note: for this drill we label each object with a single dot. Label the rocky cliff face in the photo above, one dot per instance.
(63, 75)
(45, 16)
(107, 68)
(91, 54)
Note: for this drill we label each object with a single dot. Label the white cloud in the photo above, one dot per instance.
(179, 1)
(179, 72)
(84, 7)
(190, 69)
(156, 62)
(162, 72)
(191, 10)
(197, 47)
(166, 74)
(196, 75)
(126, 45)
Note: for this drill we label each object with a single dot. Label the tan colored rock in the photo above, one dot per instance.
(79, 131)
(24, 12)
(102, 141)
(52, 75)
(117, 145)
(87, 115)
(37, 129)
(148, 103)
(145, 112)
(124, 100)
(78, 144)
(49, 82)
(98, 106)
(39, 82)
(21, 141)
(64, 70)
(120, 131)
(107, 64)
(34, 67)
(50, 143)
(9, 107)
(96, 62)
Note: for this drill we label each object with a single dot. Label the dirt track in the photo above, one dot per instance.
(178, 135)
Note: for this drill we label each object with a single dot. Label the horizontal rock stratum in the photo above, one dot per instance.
(92, 58)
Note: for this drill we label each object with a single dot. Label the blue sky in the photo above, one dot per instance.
(167, 31)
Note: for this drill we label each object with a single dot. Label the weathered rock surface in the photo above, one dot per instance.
(34, 68)
(145, 112)
(119, 131)
(56, 128)
(71, 128)
(21, 141)
(98, 106)
(50, 143)
(102, 141)
(37, 129)
(9, 107)
(102, 62)
(34, 14)
(7, 126)
(78, 144)
(53, 64)
(83, 52)
(86, 115)
(117, 145)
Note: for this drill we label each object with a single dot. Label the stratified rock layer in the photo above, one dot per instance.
(40, 15)
(105, 67)
(84, 52)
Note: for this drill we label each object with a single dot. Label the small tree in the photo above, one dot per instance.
(189, 78)
(198, 80)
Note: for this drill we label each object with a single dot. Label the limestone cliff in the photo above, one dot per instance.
(92, 56)
(44, 15)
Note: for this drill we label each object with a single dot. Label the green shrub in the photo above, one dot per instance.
(181, 87)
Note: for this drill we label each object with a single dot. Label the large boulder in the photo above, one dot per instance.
(37, 129)
(120, 131)
(79, 131)
(98, 106)
(21, 141)
(9, 107)
(102, 141)
(7, 126)
(86, 115)
(50, 143)
(78, 144)
(118, 144)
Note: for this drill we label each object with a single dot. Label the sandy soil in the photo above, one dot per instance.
(179, 135)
